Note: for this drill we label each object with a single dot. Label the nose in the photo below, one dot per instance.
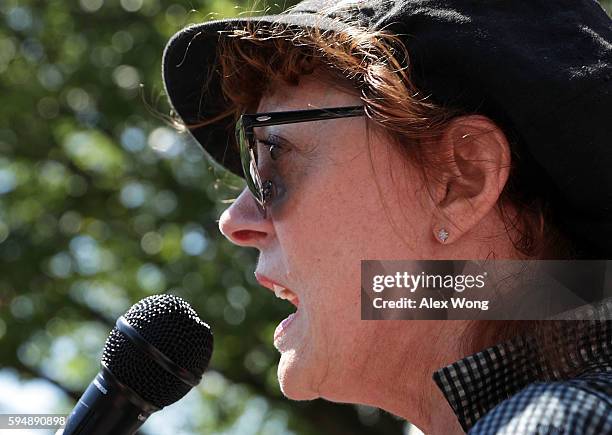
(243, 224)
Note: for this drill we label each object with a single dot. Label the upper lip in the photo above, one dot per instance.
(269, 284)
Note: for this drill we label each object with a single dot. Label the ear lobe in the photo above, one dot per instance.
(477, 171)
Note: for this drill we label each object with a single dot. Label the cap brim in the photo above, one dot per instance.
(194, 89)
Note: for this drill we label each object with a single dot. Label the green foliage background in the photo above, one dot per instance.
(102, 203)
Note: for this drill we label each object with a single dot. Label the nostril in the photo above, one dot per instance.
(243, 236)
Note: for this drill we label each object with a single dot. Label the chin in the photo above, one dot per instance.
(294, 378)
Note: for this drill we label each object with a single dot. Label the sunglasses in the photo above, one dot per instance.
(262, 190)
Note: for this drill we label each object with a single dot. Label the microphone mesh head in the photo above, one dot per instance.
(170, 324)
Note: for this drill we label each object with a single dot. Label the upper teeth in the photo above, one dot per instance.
(281, 292)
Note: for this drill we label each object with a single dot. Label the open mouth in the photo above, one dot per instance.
(281, 292)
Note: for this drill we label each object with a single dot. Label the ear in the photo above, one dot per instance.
(477, 164)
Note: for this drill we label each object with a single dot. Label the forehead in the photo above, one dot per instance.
(312, 92)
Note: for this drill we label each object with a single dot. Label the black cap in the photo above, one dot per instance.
(541, 69)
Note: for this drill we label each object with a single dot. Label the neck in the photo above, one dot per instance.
(403, 383)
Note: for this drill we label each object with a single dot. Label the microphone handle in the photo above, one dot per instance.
(108, 407)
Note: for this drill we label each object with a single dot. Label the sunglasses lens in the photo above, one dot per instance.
(249, 163)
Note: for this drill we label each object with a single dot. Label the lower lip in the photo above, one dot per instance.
(282, 327)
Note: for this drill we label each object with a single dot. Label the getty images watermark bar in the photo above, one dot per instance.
(32, 421)
(486, 289)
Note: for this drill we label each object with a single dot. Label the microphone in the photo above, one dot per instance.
(157, 351)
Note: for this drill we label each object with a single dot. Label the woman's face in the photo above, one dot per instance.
(339, 201)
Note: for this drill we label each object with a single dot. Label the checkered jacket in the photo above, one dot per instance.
(516, 388)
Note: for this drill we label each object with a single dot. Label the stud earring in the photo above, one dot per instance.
(442, 235)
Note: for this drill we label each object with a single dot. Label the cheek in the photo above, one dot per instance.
(324, 242)
(341, 219)
(335, 218)
(333, 224)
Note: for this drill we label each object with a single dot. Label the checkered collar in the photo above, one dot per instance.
(476, 384)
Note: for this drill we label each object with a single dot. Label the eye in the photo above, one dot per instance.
(274, 146)
(275, 151)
